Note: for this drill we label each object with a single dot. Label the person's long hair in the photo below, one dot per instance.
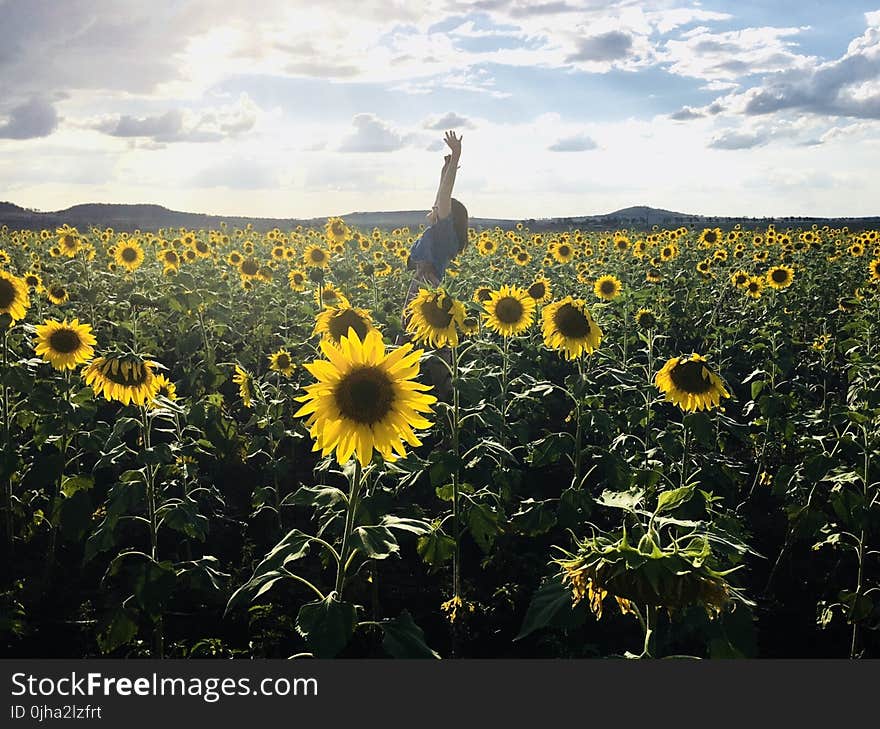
(460, 223)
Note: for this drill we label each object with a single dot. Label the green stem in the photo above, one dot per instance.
(650, 626)
(350, 513)
(150, 478)
(684, 455)
(7, 448)
(504, 375)
(578, 433)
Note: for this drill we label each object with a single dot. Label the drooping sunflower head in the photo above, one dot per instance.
(509, 311)
(607, 287)
(281, 362)
(14, 299)
(470, 325)
(126, 378)
(64, 346)
(482, 294)
(435, 318)
(780, 277)
(874, 269)
(690, 383)
(245, 382)
(569, 328)
(646, 319)
(365, 399)
(334, 322)
(652, 275)
(129, 255)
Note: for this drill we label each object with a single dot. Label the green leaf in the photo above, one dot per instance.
(71, 484)
(375, 542)
(444, 493)
(404, 639)
(436, 548)
(294, 546)
(550, 606)
(534, 518)
(670, 500)
(327, 625)
(403, 524)
(184, 517)
(626, 500)
(485, 524)
(117, 629)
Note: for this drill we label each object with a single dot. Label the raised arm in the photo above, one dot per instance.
(443, 201)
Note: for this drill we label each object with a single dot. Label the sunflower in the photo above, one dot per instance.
(129, 254)
(64, 345)
(245, 382)
(201, 248)
(646, 319)
(710, 236)
(539, 290)
(68, 241)
(126, 378)
(316, 256)
(365, 399)
(336, 321)
(487, 247)
(14, 299)
(297, 280)
(234, 258)
(780, 277)
(607, 287)
(34, 282)
(509, 311)
(652, 275)
(280, 361)
(689, 383)
(482, 294)
(740, 279)
(562, 252)
(170, 260)
(754, 287)
(874, 269)
(522, 258)
(249, 268)
(668, 252)
(337, 231)
(57, 294)
(704, 267)
(470, 325)
(569, 328)
(435, 318)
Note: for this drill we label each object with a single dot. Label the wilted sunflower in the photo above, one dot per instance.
(64, 345)
(607, 287)
(509, 311)
(646, 319)
(129, 255)
(126, 378)
(14, 299)
(365, 399)
(689, 383)
(539, 290)
(435, 318)
(780, 277)
(280, 361)
(754, 287)
(334, 322)
(297, 280)
(245, 382)
(337, 231)
(316, 256)
(569, 328)
(740, 279)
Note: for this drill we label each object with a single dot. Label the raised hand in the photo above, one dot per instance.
(454, 143)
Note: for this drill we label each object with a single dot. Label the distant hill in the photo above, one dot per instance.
(153, 217)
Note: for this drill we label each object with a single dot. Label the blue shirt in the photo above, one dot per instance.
(437, 245)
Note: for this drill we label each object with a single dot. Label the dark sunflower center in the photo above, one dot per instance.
(508, 310)
(298, 278)
(688, 377)
(779, 275)
(64, 341)
(484, 294)
(345, 320)
(646, 320)
(171, 257)
(607, 287)
(202, 247)
(365, 395)
(571, 322)
(741, 279)
(317, 256)
(250, 267)
(31, 280)
(537, 290)
(753, 286)
(283, 362)
(129, 255)
(68, 241)
(436, 316)
(711, 237)
(564, 251)
(330, 295)
(337, 228)
(135, 376)
(58, 292)
(7, 293)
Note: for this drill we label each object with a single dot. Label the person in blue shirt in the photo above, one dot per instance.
(439, 243)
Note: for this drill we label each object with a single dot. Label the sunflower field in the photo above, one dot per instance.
(241, 443)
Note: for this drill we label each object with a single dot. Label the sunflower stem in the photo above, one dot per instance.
(56, 494)
(504, 375)
(456, 476)
(684, 454)
(344, 553)
(578, 433)
(7, 447)
(150, 482)
(650, 626)
(650, 372)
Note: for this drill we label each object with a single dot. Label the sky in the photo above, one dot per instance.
(290, 108)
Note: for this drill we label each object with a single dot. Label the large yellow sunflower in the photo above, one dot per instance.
(607, 287)
(780, 277)
(129, 255)
(562, 252)
(569, 328)
(874, 269)
(334, 322)
(365, 399)
(14, 299)
(126, 378)
(689, 383)
(315, 256)
(509, 311)
(435, 318)
(64, 345)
